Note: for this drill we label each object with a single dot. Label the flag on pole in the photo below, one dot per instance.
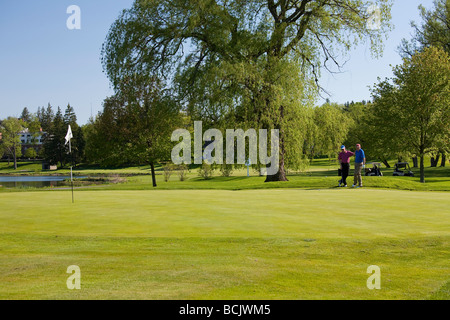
(69, 135)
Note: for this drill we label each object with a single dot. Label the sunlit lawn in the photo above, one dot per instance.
(218, 244)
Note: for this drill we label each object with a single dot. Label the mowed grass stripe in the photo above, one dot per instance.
(34, 267)
(334, 214)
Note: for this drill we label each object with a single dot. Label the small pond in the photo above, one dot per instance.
(32, 181)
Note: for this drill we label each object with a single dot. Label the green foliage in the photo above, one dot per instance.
(413, 111)
(250, 63)
(45, 117)
(30, 153)
(135, 126)
(368, 129)
(70, 116)
(55, 148)
(206, 171)
(54, 142)
(226, 169)
(107, 136)
(25, 116)
(167, 171)
(182, 171)
(10, 142)
(331, 129)
(434, 31)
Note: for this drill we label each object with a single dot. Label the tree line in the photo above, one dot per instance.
(50, 128)
(256, 64)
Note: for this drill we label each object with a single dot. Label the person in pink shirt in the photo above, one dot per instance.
(344, 161)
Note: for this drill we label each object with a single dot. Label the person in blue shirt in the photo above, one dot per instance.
(360, 163)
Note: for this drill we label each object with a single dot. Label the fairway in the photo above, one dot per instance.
(218, 244)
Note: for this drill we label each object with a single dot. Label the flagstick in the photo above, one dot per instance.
(71, 175)
(68, 137)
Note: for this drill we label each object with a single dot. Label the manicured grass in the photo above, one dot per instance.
(219, 244)
(35, 168)
(322, 174)
(239, 181)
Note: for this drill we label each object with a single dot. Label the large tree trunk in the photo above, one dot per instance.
(386, 163)
(443, 160)
(281, 174)
(422, 169)
(152, 166)
(436, 161)
(415, 162)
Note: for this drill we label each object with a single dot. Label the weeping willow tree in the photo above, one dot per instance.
(252, 63)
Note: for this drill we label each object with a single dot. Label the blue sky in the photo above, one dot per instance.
(42, 61)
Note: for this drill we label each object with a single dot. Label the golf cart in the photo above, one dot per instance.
(403, 169)
(375, 170)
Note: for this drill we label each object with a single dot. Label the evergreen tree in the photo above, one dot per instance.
(45, 117)
(54, 144)
(70, 116)
(25, 115)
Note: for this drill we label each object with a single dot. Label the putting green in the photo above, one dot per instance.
(207, 213)
(252, 244)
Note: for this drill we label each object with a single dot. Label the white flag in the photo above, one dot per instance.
(69, 135)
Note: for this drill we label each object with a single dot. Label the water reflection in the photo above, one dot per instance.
(33, 181)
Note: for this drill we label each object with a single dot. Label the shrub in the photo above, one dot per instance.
(168, 170)
(226, 169)
(206, 171)
(182, 171)
(30, 153)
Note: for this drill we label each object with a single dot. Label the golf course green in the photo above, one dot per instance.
(225, 244)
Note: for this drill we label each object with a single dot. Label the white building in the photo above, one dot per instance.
(31, 140)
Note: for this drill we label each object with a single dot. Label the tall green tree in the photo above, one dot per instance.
(414, 109)
(69, 116)
(434, 30)
(11, 144)
(25, 115)
(152, 117)
(253, 59)
(135, 126)
(54, 148)
(78, 142)
(332, 129)
(107, 134)
(46, 117)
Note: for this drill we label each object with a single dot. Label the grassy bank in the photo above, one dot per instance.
(322, 174)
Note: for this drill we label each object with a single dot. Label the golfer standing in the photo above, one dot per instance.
(360, 163)
(344, 160)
